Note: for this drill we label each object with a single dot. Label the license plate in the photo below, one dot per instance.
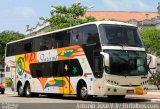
(130, 91)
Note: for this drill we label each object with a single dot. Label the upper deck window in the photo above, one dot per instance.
(120, 35)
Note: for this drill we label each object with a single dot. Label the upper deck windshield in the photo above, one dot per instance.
(120, 35)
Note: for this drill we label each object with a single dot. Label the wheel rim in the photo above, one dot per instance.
(28, 90)
(84, 91)
(20, 90)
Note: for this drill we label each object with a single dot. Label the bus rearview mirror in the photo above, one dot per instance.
(151, 63)
(105, 58)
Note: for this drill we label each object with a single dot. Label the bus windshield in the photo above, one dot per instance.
(120, 35)
(127, 63)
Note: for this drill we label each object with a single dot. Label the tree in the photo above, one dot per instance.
(62, 16)
(151, 39)
(5, 37)
(155, 80)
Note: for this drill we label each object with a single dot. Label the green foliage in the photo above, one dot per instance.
(62, 16)
(5, 37)
(48, 30)
(151, 39)
(155, 79)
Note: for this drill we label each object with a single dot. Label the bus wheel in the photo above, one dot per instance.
(83, 93)
(116, 97)
(20, 91)
(28, 90)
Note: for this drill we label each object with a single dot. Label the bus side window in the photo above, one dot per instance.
(13, 49)
(54, 68)
(75, 68)
(38, 74)
(60, 68)
(67, 39)
(43, 43)
(91, 37)
(92, 48)
(49, 42)
(89, 34)
(10, 50)
(62, 39)
(59, 39)
(76, 37)
(98, 65)
(28, 47)
(18, 48)
(46, 42)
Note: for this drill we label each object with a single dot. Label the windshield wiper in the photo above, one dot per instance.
(135, 45)
(114, 43)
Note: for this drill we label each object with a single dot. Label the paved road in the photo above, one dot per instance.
(14, 98)
(12, 101)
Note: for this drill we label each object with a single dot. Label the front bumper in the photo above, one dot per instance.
(124, 90)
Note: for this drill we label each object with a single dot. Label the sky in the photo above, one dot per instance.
(16, 14)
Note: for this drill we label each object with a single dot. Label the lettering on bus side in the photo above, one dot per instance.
(45, 56)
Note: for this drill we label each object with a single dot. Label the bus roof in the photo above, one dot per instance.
(96, 23)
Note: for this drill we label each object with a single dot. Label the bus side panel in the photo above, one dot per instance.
(99, 88)
(77, 70)
(63, 84)
(47, 85)
(87, 74)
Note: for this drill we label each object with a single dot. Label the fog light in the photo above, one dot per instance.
(115, 90)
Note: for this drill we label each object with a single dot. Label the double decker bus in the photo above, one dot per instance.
(103, 58)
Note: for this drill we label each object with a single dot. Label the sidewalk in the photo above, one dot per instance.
(155, 94)
(8, 91)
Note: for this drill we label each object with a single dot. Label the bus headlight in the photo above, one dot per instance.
(106, 69)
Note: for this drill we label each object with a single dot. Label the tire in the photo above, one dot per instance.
(82, 93)
(28, 93)
(21, 91)
(116, 97)
(27, 90)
